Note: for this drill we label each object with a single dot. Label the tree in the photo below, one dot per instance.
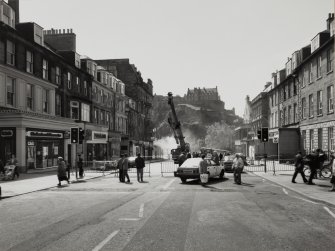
(219, 136)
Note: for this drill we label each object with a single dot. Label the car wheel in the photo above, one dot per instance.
(183, 180)
(221, 174)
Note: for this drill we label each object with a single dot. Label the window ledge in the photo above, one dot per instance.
(330, 112)
(318, 78)
(320, 115)
(329, 72)
(311, 117)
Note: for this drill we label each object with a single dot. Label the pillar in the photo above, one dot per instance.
(21, 148)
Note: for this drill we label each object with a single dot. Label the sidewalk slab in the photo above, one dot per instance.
(319, 192)
(38, 183)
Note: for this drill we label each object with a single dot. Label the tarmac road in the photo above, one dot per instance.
(164, 214)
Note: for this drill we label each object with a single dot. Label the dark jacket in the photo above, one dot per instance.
(61, 170)
(299, 161)
(139, 163)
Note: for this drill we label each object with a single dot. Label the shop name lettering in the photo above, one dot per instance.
(100, 136)
(45, 134)
(6, 133)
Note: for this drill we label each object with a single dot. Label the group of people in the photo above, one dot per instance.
(11, 161)
(123, 166)
(238, 165)
(315, 161)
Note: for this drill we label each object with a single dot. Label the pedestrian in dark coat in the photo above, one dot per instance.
(119, 166)
(140, 164)
(125, 167)
(61, 171)
(80, 166)
(299, 167)
(316, 160)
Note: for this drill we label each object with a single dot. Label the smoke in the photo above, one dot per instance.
(165, 145)
(192, 139)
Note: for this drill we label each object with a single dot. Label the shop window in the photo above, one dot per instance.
(74, 109)
(10, 86)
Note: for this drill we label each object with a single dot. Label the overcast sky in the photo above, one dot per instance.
(180, 44)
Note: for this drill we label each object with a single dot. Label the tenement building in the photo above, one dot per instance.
(301, 100)
(33, 125)
(140, 139)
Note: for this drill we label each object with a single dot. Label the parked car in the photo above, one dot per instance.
(190, 169)
(131, 162)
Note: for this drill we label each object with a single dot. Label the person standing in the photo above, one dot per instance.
(299, 167)
(238, 165)
(13, 161)
(140, 164)
(332, 180)
(203, 164)
(80, 166)
(119, 166)
(125, 167)
(61, 171)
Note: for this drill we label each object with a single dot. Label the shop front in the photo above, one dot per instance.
(7, 142)
(43, 147)
(97, 146)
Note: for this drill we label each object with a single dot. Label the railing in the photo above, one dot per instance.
(168, 167)
(271, 165)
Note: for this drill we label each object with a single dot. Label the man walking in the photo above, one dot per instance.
(119, 166)
(140, 164)
(299, 167)
(125, 168)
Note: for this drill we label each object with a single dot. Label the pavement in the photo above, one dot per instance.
(32, 182)
(318, 192)
(38, 181)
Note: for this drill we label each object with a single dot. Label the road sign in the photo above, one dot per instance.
(276, 140)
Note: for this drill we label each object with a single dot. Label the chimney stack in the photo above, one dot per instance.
(15, 4)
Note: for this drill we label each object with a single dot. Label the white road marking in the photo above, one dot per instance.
(104, 242)
(307, 200)
(284, 190)
(330, 212)
(129, 219)
(168, 184)
(141, 212)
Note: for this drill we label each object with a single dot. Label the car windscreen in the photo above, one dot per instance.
(191, 163)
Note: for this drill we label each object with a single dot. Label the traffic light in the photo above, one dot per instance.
(74, 134)
(259, 134)
(81, 135)
(265, 134)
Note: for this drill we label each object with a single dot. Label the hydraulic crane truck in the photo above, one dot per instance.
(177, 132)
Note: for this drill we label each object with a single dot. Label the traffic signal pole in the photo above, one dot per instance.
(265, 156)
